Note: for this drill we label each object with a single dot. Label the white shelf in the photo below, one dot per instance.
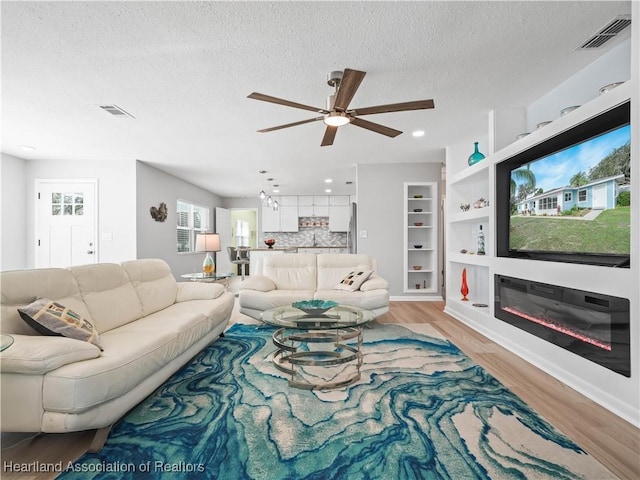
(472, 214)
(469, 259)
(481, 168)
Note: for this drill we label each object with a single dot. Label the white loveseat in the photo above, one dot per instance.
(291, 277)
(149, 326)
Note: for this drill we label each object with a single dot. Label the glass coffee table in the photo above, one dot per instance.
(318, 351)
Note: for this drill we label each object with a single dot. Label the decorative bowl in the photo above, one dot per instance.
(314, 307)
(417, 210)
(418, 224)
(417, 196)
(270, 242)
(417, 267)
(417, 246)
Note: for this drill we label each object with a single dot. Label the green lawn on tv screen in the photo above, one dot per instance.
(608, 233)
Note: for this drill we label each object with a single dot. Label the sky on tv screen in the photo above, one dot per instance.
(555, 170)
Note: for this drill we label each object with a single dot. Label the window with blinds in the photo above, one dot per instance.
(191, 220)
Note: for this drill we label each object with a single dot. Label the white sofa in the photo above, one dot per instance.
(290, 277)
(149, 326)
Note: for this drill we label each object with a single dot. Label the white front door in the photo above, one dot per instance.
(600, 197)
(65, 223)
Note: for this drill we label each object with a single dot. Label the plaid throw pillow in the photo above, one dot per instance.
(353, 280)
(51, 318)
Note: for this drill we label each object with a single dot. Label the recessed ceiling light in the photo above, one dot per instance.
(328, 180)
(418, 133)
(327, 190)
(275, 190)
(27, 148)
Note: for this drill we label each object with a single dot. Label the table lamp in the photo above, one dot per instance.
(208, 242)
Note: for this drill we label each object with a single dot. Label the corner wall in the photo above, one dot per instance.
(381, 215)
(158, 239)
(13, 226)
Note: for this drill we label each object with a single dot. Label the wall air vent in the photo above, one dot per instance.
(606, 33)
(116, 111)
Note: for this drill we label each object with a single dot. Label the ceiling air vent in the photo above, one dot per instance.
(606, 33)
(116, 111)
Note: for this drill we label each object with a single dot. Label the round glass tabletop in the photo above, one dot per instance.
(337, 317)
(5, 341)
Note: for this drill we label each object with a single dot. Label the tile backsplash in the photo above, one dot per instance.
(308, 228)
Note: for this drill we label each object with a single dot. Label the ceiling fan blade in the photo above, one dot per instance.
(394, 107)
(375, 127)
(329, 135)
(279, 127)
(286, 103)
(351, 80)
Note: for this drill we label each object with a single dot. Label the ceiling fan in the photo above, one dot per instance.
(338, 113)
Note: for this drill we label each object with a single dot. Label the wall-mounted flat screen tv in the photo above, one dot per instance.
(568, 198)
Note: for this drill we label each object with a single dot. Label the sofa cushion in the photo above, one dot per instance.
(374, 282)
(21, 287)
(353, 280)
(109, 294)
(132, 353)
(256, 300)
(291, 271)
(333, 267)
(258, 282)
(154, 283)
(52, 318)
(33, 355)
(198, 291)
(371, 300)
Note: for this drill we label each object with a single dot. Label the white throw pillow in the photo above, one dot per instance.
(353, 280)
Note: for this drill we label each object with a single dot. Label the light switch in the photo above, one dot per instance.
(363, 234)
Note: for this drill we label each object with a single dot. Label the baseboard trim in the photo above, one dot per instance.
(417, 298)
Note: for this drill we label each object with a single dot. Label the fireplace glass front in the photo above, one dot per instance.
(592, 325)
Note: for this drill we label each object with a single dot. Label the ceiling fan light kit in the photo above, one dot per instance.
(337, 113)
(336, 119)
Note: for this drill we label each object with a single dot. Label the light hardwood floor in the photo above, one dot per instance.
(608, 438)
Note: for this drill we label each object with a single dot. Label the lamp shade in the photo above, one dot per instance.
(207, 242)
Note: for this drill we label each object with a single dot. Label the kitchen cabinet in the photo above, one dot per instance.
(288, 218)
(339, 216)
(313, 205)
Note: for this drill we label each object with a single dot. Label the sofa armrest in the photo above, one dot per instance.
(37, 355)
(258, 282)
(198, 291)
(374, 282)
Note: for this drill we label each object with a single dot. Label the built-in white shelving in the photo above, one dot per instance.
(420, 237)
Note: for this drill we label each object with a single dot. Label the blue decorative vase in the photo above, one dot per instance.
(476, 156)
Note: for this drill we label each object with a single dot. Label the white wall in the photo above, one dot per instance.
(381, 214)
(116, 204)
(613, 66)
(13, 231)
(158, 239)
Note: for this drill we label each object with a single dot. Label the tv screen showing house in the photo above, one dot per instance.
(575, 200)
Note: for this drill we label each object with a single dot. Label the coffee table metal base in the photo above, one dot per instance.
(300, 348)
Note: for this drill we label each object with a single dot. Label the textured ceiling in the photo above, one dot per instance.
(184, 69)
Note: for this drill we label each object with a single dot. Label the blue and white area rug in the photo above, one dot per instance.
(422, 410)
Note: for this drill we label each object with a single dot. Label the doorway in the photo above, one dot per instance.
(65, 223)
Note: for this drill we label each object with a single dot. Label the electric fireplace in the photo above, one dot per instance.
(592, 325)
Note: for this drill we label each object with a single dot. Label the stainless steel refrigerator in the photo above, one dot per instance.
(352, 233)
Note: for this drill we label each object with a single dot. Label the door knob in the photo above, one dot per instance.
(90, 252)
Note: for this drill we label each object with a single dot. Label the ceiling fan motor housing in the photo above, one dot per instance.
(334, 78)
